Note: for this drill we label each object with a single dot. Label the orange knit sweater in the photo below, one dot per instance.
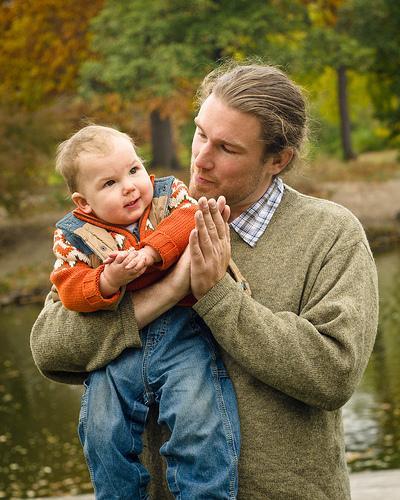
(78, 283)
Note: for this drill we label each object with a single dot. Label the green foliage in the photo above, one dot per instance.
(155, 53)
(25, 144)
(367, 133)
(377, 27)
(28, 141)
(146, 56)
(158, 50)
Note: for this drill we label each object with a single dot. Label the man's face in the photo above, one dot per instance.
(227, 156)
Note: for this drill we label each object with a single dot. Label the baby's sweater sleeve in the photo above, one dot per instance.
(76, 281)
(171, 236)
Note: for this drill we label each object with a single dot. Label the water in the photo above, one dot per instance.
(39, 451)
(372, 416)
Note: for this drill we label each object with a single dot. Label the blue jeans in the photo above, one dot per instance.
(179, 369)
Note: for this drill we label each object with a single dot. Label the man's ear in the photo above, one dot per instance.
(280, 160)
(81, 203)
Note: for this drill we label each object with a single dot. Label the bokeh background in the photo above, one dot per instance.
(135, 65)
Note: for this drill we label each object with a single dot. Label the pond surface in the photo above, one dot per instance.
(372, 416)
(40, 454)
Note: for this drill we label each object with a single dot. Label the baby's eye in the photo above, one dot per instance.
(109, 183)
(133, 170)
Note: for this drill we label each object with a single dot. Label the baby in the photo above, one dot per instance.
(126, 230)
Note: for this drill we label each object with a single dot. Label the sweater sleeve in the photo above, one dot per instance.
(66, 345)
(317, 356)
(77, 283)
(171, 236)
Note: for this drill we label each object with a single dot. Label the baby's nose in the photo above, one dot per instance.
(129, 185)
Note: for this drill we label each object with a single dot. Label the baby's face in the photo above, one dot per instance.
(116, 187)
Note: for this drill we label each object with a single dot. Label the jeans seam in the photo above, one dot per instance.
(83, 423)
(226, 423)
(228, 430)
(150, 342)
(178, 495)
(148, 394)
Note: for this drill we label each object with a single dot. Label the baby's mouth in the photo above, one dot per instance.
(131, 203)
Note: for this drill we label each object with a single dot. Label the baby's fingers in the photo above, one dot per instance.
(110, 258)
(121, 256)
(135, 261)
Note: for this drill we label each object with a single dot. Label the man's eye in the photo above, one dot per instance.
(109, 183)
(133, 170)
(227, 150)
(201, 134)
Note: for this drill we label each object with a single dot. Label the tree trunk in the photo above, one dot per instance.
(345, 128)
(163, 147)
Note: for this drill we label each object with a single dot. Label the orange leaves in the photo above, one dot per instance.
(43, 45)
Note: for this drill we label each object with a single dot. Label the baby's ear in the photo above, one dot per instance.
(81, 203)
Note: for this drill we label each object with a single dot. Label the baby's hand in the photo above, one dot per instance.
(147, 254)
(151, 255)
(136, 261)
(121, 268)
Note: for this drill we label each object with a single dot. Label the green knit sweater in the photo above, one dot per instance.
(295, 350)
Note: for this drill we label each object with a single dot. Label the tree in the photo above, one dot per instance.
(377, 27)
(155, 52)
(43, 44)
(330, 42)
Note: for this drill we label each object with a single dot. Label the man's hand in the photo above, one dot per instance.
(120, 269)
(210, 247)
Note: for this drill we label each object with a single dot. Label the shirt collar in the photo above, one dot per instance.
(252, 223)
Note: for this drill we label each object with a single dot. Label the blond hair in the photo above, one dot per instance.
(267, 93)
(90, 139)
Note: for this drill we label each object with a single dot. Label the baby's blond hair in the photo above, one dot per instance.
(90, 139)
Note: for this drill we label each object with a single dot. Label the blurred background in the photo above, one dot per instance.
(135, 65)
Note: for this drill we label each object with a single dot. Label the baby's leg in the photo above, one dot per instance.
(198, 404)
(111, 424)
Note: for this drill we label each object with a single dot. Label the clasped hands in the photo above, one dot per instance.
(209, 245)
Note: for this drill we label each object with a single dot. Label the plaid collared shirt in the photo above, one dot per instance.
(251, 224)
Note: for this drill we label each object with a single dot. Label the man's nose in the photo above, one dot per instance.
(204, 157)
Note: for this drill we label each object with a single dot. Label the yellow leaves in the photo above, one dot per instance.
(43, 45)
(286, 41)
(323, 13)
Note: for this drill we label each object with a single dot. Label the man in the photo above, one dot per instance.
(298, 346)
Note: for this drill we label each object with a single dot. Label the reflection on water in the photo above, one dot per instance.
(39, 451)
(372, 417)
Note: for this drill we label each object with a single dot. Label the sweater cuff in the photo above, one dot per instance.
(165, 246)
(92, 294)
(218, 292)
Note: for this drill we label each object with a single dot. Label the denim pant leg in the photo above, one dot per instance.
(198, 404)
(111, 424)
